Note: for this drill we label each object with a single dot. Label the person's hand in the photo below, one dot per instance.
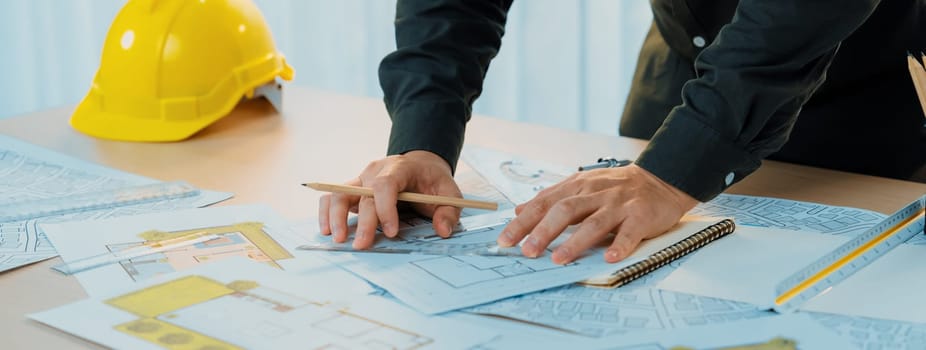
(415, 171)
(629, 202)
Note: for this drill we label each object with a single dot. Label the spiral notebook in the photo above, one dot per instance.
(664, 256)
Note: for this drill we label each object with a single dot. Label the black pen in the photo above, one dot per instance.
(606, 162)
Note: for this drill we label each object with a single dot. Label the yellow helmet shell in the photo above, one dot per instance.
(170, 68)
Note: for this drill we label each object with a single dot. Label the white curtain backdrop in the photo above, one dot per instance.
(563, 63)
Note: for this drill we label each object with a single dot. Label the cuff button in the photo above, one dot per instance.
(699, 41)
(729, 179)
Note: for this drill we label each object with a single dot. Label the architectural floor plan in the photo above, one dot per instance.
(254, 232)
(238, 304)
(29, 172)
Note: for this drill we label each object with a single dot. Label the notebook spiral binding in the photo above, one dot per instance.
(670, 253)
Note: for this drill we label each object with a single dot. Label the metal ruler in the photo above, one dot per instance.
(33, 209)
(850, 257)
(475, 241)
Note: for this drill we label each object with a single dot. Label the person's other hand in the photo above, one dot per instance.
(628, 201)
(415, 171)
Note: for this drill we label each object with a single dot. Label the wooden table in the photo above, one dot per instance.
(263, 156)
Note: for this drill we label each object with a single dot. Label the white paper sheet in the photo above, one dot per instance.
(891, 288)
(747, 265)
(435, 284)
(28, 172)
(518, 178)
(253, 231)
(240, 304)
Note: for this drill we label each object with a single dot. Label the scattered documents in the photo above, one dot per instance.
(518, 178)
(238, 304)
(439, 283)
(255, 232)
(790, 215)
(748, 265)
(890, 288)
(784, 332)
(807, 273)
(29, 172)
(597, 312)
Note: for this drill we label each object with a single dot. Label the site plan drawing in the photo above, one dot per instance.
(238, 304)
(598, 312)
(783, 332)
(813, 218)
(254, 232)
(440, 283)
(28, 172)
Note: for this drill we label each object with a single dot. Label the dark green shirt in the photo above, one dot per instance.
(720, 85)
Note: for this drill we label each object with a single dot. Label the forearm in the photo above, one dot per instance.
(752, 81)
(432, 79)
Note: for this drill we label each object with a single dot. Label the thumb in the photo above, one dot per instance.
(445, 217)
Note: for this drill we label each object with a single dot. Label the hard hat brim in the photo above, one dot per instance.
(93, 121)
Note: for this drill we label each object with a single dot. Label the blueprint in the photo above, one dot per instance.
(779, 332)
(238, 304)
(661, 310)
(783, 332)
(28, 172)
(791, 215)
(871, 333)
(440, 283)
(254, 232)
(632, 308)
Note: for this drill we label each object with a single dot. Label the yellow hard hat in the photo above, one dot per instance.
(170, 68)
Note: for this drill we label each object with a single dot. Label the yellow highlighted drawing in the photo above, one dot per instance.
(246, 239)
(171, 337)
(167, 297)
(774, 344)
(196, 312)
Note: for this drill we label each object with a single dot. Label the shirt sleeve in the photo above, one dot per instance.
(751, 83)
(443, 50)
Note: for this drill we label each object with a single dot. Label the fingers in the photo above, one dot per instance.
(560, 216)
(386, 188)
(591, 231)
(338, 206)
(626, 240)
(532, 212)
(366, 224)
(323, 208)
(529, 215)
(444, 219)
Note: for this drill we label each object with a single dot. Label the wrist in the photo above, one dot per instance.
(430, 158)
(683, 201)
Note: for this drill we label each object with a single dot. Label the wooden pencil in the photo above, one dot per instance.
(918, 74)
(404, 196)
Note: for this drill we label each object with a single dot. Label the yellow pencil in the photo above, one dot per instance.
(918, 74)
(404, 196)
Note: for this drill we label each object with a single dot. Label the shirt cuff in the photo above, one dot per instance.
(695, 158)
(435, 126)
